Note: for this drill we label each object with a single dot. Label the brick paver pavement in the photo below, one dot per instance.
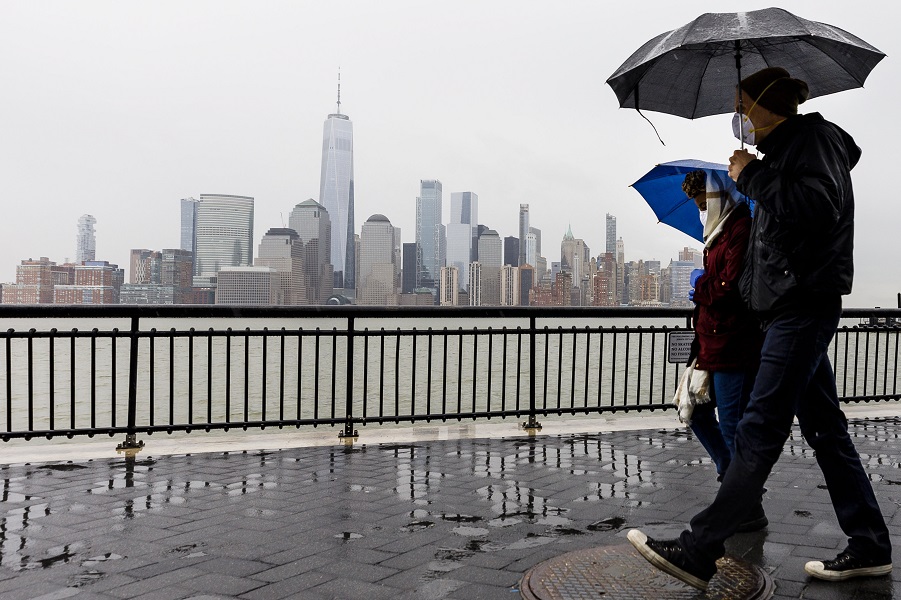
(458, 519)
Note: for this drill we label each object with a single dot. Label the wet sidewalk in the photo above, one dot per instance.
(459, 518)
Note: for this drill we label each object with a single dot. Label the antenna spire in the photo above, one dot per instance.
(339, 90)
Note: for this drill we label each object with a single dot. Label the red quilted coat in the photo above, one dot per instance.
(729, 336)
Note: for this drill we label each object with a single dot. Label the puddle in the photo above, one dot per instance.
(483, 546)
(567, 531)
(504, 522)
(456, 518)
(452, 554)
(63, 557)
(348, 535)
(361, 488)
(531, 541)
(90, 562)
(803, 513)
(14, 497)
(395, 447)
(417, 526)
(63, 467)
(611, 524)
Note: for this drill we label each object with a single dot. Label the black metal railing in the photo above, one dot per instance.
(73, 370)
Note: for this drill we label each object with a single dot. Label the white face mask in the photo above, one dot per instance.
(743, 128)
(703, 215)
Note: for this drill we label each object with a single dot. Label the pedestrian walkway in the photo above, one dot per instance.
(459, 518)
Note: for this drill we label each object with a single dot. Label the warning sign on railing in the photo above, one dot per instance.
(679, 346)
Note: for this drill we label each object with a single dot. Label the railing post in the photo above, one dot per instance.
(532, 423)
(349, 433)
(131, 445)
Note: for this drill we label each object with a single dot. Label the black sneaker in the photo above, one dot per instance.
(668, 556)
(846, 566)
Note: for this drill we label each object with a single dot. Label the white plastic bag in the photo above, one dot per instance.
(693, 389)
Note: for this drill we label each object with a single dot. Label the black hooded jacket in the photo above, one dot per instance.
(800, 257)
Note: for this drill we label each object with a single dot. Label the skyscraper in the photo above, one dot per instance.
(611, 235)
(336, 194)
(282, 250)
(223, 234)
(85, 241)
(430, 235)
(312, 223)
(408, 283)
(509, 282)
(450, 286)
(523, 233)
(511, 251)
(460, 232)
(188, 212)
(378, 271)
(465, 208)
(491, 258)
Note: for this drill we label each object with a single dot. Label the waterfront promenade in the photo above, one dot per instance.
(457, 511)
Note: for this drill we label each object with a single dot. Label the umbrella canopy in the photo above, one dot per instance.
(691, 71)
(661, 187)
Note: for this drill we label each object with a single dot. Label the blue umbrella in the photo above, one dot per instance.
(661, 187)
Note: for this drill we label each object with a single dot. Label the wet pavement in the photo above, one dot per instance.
(457, 518)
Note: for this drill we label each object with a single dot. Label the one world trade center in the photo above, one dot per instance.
(336, 194)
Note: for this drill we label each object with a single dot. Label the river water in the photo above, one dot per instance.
(619, 362)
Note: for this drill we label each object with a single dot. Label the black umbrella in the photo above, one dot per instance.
(690, 71)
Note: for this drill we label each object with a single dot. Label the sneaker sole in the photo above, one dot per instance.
(751, 526)
(816, 568)
(640, 541)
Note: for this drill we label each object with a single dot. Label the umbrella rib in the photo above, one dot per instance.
(694, 110)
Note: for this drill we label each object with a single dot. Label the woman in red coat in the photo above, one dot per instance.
(728, 337)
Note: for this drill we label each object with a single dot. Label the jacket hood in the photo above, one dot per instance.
(811, 120)
(851, 146)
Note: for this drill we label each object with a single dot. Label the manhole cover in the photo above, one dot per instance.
(619, 572)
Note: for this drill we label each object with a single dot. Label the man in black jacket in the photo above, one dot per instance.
(799, 265)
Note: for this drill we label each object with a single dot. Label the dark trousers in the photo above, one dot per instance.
(795, 380)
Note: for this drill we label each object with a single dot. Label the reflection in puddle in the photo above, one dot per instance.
(63, 467)
(461, 518)
(611, 524)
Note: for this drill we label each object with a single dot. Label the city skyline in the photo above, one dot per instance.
(123, 122)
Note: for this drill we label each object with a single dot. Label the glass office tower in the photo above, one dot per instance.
(430, 235)
(223, 235)
(336, 194)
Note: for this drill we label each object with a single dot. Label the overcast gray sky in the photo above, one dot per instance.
(119, 109)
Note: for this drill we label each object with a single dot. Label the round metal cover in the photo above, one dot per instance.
(619, 572)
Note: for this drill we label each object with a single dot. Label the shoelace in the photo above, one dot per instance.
(842, 560)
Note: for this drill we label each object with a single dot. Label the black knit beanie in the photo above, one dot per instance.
(775, 90)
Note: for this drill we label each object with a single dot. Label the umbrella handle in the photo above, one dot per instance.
(741, 108)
